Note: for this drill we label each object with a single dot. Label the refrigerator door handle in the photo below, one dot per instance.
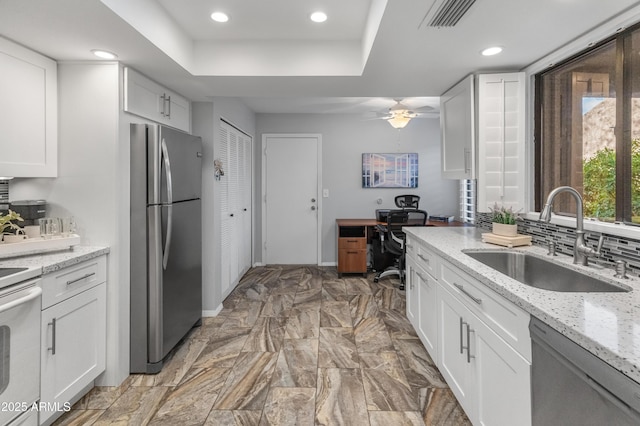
(167, 243)
(167, 167)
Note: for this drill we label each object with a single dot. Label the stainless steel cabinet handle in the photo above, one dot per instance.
(469, 295)
(53, 337)
(426, 259)
(168, 100)
(461, 339)
(469, 356)
(81, 278)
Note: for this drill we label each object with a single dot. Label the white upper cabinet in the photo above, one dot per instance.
(28, 113)
(457, 132)
(501, 140)
(148, 99)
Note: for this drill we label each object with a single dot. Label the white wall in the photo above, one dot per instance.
(206, 117)
(344, 139)
(92, 187)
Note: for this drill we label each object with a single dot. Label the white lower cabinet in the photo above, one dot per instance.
(73, 335)
(412, 288)
(478, 339)
(489, 378)
(425, 305)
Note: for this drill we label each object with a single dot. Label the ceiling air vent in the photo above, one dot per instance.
(447, 13)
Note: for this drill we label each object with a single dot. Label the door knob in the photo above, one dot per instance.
(313, 207)
(313, 200)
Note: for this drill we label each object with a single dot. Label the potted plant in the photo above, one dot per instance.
(6, 222)
(504, 221)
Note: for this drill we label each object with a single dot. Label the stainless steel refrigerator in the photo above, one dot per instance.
(166, 253)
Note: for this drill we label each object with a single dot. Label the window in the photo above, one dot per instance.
(468, 200)
(588, 130)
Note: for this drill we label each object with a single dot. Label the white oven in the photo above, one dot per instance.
(20, 307)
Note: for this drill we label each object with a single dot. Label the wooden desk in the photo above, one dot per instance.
(352, 236)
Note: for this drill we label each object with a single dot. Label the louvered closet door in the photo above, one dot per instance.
(225, 218)
(235, 205)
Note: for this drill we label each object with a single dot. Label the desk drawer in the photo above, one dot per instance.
(352, 260)
(60, 285)
(352, 243)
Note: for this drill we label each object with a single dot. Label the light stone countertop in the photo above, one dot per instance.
(606, 324)
(45, 263)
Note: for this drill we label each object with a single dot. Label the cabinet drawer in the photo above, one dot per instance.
(352, 243)
(423, 257)
(502, 316)
(352, 260)
(60, 285)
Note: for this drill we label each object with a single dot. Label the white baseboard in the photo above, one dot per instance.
(329, 264)
(213, 313)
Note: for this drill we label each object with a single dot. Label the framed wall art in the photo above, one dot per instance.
(398, 170)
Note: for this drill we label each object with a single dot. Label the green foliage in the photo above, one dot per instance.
(6, 221)
(599, 174)
(501, 214)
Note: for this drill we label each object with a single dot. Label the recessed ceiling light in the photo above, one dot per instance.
(103, 54)
(490, 51)
(219, 16)
(318, 16)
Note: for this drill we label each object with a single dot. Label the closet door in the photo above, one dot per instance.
(235, 205)
(225, 218)
(244, 206)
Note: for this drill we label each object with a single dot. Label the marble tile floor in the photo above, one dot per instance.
(294, 345)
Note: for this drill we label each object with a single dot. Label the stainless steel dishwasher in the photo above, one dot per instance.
(571, 386)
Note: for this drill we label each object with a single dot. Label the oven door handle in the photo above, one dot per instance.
(33, 293)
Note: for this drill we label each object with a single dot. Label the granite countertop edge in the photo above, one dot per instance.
(565, 312)
(55, 260)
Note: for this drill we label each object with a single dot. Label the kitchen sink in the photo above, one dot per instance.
(538, 272)
(5, 272)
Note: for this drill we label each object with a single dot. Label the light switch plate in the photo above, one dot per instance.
(325, 193)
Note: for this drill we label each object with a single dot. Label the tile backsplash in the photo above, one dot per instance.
(614, 248)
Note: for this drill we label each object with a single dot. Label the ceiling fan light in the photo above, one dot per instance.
(399, 121)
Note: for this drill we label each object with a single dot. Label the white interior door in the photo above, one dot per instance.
(291, 202)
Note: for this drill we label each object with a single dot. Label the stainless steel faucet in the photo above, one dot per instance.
(581, 251)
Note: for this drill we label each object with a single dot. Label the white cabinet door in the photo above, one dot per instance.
(503, 380)
(412, 287)
(73, 347)
(457, 131)
(453, 344)
(501, 140)
(428, 312)
(148, 99)
(28, 113)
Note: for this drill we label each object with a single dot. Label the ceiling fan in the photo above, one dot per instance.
(400, 114)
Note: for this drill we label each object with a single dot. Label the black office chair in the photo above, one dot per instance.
(407, 201)
(393, 239)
